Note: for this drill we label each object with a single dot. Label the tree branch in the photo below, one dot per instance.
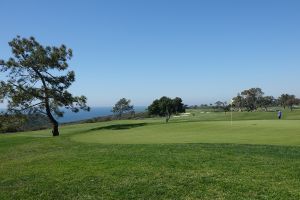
(29, 107)
(24, 90)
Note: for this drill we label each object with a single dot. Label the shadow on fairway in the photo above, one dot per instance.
(119, 127)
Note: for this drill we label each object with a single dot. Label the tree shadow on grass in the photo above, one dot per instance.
(119, 127)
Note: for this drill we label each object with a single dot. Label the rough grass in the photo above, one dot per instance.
(77, 165)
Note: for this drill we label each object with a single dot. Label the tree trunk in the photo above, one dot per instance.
(54, 123)
(55, 131)
(168, 118)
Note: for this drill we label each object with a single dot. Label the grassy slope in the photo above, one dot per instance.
(35, 166)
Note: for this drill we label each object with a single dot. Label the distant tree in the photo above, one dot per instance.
(165, 107)
(179, 107)
(292, 101)
(238, 102)
(34, 81)
(194, 107)
(283, 100)
(220, 105)
(155, 108)
(276, 102)
(266, 102)
(227, 108)
(251, 97)
(122, 106)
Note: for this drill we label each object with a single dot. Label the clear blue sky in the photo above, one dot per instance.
(202, 51)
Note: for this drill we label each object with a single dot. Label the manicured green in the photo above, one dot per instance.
(285, 132)
(189, 158)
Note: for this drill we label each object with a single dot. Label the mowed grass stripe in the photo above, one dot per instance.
(274, 132)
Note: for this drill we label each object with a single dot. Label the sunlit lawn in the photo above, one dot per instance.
(189, 158)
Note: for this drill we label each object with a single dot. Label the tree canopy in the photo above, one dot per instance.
(251, 97)
(35, 82)
(122, 106)
(166, 107)
(254, 98)
(224, 106)
(292, 101)
(288, 100)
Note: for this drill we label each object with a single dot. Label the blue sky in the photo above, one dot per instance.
(202, 51)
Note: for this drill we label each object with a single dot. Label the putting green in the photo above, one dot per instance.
(274, 132)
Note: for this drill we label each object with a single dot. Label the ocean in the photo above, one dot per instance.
(94, 112)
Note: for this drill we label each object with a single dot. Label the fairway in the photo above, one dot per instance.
(275, 132)
(188, 158)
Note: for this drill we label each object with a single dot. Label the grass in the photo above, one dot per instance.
(208, 115)
(285, 132)
(189, 158)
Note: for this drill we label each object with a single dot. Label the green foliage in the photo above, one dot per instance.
(251, 98)
(238, 102)
(11, 123)
(34, 80)
(178, 105)
(283, 100)
(123, 106)
(254, 98)
(289, 100)
(18, 122)
(219, 105)
(266, 101)
(166, 106)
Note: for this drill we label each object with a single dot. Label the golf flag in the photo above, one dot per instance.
(231, 102)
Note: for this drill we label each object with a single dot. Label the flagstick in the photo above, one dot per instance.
(231, 113)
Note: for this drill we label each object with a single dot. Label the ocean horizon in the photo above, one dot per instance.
(70, 116)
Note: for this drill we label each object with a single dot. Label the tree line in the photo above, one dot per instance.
(254, 98)
(251, 100)
(163, 107)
